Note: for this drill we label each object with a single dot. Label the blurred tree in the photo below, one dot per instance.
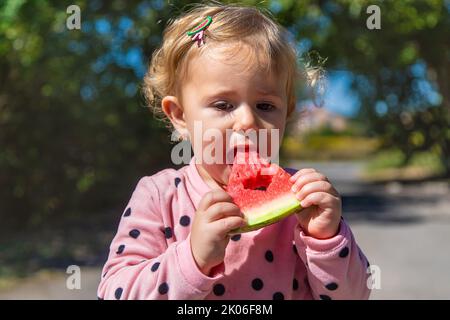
(400, 72)
(74, 133)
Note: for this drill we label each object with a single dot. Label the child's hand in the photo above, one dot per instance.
(215, 217)
(321, 202)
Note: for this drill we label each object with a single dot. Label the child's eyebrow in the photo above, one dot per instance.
(227, 93)
(220, 93)
(269, 92)
(223, 92)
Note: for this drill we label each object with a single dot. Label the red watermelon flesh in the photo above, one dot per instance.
(261, 190)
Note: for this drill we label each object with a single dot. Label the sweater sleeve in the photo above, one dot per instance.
(141, 263)
(336, 267)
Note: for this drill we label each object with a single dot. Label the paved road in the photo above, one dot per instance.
(52, 285)
(403, 229)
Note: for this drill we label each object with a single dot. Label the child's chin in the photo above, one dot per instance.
(227, 172)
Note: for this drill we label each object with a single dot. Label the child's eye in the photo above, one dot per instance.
(265, 106)
(223, 106)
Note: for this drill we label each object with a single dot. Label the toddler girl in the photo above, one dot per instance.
(232, 68)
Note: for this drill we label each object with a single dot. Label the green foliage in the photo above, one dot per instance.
(75, 135)
(387, 64)
(418, 131)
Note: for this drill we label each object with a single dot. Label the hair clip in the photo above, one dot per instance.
(198, 33)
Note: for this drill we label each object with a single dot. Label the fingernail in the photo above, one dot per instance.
(294, 188)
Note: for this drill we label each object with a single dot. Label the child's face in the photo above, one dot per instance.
(223, 93)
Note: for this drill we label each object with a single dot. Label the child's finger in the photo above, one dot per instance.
(295, 176)
(316, 186)
(225, 225)
(321, 199)
(212, 197)
(307, 178)
(222, 209)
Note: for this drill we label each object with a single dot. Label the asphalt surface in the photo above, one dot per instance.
(404, 230)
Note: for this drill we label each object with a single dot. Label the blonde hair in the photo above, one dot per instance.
(268, 41)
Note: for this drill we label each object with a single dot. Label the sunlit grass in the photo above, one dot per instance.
(390, 165)
(328, 148)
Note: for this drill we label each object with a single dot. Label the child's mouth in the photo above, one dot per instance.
(243, 148)
(232, 153)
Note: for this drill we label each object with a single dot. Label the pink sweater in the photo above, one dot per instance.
(150, 256)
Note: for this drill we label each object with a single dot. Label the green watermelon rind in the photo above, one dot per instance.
(269, 218)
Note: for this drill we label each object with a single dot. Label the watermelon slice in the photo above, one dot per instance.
(261, 190)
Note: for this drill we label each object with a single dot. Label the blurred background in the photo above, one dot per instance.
(75, 135)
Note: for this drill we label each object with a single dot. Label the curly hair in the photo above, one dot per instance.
(232, 23)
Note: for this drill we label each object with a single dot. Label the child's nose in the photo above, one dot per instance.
(245, 118)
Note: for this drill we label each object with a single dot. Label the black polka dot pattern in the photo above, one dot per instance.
(332, 286)
(236, 237)
(120, 249)
(295, 284)
(344, 252)
(168, 232)
(185, 221)
(163, 288)
(219, 289)
(324, 297)
(118, 293)
(134, 233)
(278, 296)
(155, 266)
(127, 212)
(98, 298)
(269, 256)
(177, 182)
(257, 284)
(295, 249)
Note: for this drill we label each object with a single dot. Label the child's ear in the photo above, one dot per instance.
(174, 111)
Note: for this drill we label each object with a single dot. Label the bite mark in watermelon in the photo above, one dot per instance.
(261, 190)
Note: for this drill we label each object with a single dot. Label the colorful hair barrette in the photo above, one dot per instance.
(198, 33)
